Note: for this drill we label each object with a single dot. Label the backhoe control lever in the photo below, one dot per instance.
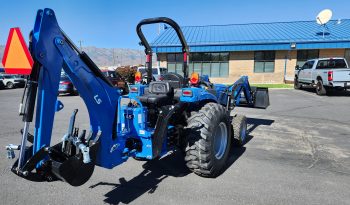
(72, 138)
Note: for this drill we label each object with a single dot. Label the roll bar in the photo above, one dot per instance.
(148, 49)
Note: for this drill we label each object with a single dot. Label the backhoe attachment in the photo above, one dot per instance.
(74, 158)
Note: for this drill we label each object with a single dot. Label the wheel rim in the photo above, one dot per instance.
(220, 140)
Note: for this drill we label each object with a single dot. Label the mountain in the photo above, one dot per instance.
(2, 48)
(105, 56)
(115, 56)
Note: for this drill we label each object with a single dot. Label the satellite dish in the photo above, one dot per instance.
(324, 16)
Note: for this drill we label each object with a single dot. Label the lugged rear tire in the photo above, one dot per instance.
(209, 139)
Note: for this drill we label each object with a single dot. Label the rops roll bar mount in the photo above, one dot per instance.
(148, 49)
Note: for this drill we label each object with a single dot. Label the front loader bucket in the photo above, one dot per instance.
(261, 98)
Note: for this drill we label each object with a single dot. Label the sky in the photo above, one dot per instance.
(112, 23)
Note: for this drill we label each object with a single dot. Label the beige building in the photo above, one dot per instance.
(266, 52)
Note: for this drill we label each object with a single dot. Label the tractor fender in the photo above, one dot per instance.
(198, 95)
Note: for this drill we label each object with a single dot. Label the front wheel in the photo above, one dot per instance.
(209, 140)
(239, 127)
(10, 85)
(320, 89)
(297, 85)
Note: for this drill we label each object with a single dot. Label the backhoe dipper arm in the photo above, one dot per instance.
(148, 50)
(53, 50)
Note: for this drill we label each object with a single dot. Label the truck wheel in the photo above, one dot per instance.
(239, 126)
(10, 85)
(208, 143)
(297, 85)
(320, 89)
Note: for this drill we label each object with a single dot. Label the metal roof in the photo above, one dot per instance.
(257, 36)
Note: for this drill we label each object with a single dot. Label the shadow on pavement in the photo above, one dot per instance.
(147, 181)
(156, 171)
(234, 155)
(330, 93)
(253, 123)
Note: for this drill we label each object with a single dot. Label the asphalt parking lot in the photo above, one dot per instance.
(298, 153)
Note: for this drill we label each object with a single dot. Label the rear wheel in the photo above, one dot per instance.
(208, 140)
(10, 85)
(320, 89)
(239, 127)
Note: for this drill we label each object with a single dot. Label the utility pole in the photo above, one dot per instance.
(121, 57)
(80, 42)
(140, 53)
(113, 57)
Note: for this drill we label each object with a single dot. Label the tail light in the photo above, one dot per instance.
(187, 93)
(138, 76)
(134, 89)
(194, 80)
(65, 82)
(330, 75)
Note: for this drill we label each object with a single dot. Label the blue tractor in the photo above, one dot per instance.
(178, 113)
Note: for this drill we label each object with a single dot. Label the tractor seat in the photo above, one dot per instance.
(159, 94)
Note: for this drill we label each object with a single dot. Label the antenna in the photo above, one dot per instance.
(323, 18)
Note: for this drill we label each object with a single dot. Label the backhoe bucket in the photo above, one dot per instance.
(71, 169)
(261, 97)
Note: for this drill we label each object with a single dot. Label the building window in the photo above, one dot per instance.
(264, 61)
(304, 55)
(211, 64)
(175, 62)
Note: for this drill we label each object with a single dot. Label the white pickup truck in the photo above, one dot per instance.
(324, 74)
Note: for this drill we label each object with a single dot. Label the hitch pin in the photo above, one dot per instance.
(10, 150)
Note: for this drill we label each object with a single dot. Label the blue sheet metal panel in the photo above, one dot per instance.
(323, 45)
(283, 46)
(244, 36)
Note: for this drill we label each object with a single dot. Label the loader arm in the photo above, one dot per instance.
(254, 96)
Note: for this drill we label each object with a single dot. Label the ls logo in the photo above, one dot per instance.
(97, 99)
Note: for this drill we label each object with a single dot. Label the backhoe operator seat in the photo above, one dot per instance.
(159, 93)
(177, 81)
